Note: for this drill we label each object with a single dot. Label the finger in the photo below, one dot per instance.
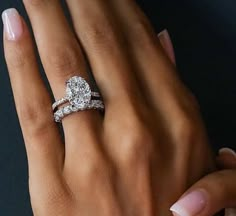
(165, 91)
(227, 158)
(208, 196)
(62, 58)
(167, 45)
(115, 75)
(106, 50)
(58, 48)
(43, 144)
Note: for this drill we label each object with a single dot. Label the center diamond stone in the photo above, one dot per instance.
(78, 92)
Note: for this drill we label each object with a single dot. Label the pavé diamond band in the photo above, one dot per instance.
(67, 110)
(79, 96)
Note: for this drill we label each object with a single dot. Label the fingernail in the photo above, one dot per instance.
(12, 24)
(227, 151)
(166, 43)
(190, 205)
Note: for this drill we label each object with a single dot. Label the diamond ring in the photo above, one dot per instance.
(79, 96)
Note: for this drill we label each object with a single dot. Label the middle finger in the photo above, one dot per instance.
(107, 53)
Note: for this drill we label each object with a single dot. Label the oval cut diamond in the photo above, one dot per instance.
(78, 92)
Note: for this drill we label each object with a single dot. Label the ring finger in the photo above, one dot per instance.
(62, 58)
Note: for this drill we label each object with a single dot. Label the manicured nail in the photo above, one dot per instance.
(190, 205)
(228, 151)
(166, 43)
(12, 24)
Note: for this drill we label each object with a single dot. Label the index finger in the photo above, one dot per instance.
(43, 143)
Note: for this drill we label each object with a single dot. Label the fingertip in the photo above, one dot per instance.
(167, 45)
(191, 204)
(13, 26)
(227, 151)
(227, 158)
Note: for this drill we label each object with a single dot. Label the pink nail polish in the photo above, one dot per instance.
(12, 24)
(167, 44)
(191, 204)
(227, 151)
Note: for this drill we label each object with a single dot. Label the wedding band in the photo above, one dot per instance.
(79, 96)
(69, 109)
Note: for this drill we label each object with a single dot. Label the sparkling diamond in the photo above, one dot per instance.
(57, 118)
(60, 113)
(67, 110)
(78, 92)
(74, 108)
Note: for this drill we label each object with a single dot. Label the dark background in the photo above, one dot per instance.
(203, 33)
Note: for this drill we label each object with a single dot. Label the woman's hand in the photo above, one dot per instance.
(149, 146)
(212, 193)
(217, 190)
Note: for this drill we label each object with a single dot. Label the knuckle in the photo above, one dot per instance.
(218, 180)
(137, 145)
(65, 61)
(185, 130)
(93, 168)
(38, 140)
(141, 26)
(143, 33)
(18, 57)
(97, 35)
(34, 111)
(36, 117)
(34, 2)
(188, 122)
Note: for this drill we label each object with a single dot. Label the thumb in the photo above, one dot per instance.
(208, 196)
